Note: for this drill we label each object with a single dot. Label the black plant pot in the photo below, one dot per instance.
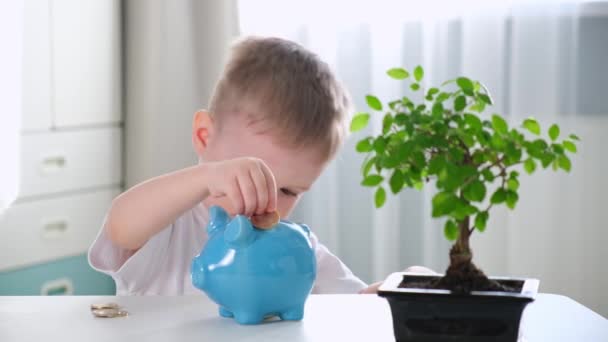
(421, 315)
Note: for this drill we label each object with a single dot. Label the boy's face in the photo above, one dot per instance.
(295, 170)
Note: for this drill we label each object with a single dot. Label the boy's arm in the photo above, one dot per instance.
(144, 210)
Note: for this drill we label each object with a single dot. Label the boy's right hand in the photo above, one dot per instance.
(244, 186)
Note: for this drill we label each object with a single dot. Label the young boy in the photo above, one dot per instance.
(277, 117)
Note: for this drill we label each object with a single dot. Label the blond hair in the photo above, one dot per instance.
(289, 87)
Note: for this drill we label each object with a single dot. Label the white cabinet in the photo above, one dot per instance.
(67, 161)
(49, 229)
(71, 139)
(36, 66)
(86, 62)
(72, 64)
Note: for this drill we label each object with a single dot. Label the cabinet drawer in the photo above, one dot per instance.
(86, 62)
(63, 161)
(43, 230)
(69, 276)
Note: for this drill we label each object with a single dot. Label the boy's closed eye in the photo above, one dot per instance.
(288, 192)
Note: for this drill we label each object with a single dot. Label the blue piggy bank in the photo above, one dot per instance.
(252, 273)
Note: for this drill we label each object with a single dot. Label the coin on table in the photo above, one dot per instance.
(104, 306)
(109, 313)
(266, 220)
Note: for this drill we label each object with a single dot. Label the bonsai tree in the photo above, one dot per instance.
(473, 160)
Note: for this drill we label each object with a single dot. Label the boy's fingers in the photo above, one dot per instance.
(272, 188)
(250, 199)
(261, 188)
(235, 196)
(373, 288)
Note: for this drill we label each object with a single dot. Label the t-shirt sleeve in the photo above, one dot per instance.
(131, 270)
(332, 275)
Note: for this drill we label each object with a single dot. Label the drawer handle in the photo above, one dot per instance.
(53, 163)
(54, 229)
(57, 287)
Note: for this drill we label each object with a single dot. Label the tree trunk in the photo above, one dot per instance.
(462, 276)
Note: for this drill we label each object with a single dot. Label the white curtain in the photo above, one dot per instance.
(174, 53)
(542, 59)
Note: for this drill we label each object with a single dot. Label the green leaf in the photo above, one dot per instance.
(404, 150)
(569, 145)
(554, 132)
(511, 199)
(387, 122)
(372, 180)
(499, 196)
(396, 181)
(564, 163)
(367, 166)
(398, 73)
(373, 102)
(437, 109)
(380, 197)
(389, 161)
(557, 148)
(481, 220)
(436, 164)
(448, 82)
(546, 159)
(513, 184)
(415, 86)
(475, 191)
(442, 97)
(472, 121)
(499, 124)
(488, 175)
(485, 98)
(432, 91)
(466, 85)
(459, 103)
(359, 122)
(478, 107)
(364, 145)
(574, 137)
(444, 203)
(463, 210)
(418, 73)
(532, 125)
(450, 230)
(497, 142)
(379, 145)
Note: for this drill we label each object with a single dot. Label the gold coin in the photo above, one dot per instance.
(104, 306)
(266, 220)
(109, 313)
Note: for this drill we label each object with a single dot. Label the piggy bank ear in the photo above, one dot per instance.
(218, 218)
(239, 232)
(305, 227)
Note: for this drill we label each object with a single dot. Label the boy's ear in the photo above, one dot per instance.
(202, 126)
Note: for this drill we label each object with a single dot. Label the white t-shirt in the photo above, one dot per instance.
(162, 265)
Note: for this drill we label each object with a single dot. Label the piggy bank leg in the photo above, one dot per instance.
(248, 317)
(293, 314)
(225, 312)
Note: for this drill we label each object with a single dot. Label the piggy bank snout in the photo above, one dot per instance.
(197, 271)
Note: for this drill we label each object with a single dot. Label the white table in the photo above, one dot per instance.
(194, 318)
